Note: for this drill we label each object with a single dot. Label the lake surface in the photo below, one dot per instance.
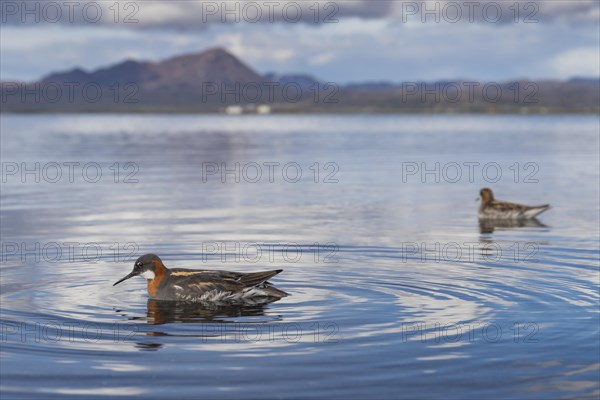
(396, 289)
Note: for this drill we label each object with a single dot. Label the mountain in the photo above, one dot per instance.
(590, 81)
(214, 66)
(371, 86)
(214, 80)
(305, 81)
(201, 82)
(74, 75)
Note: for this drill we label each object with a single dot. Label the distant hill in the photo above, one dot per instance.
(214, 65)
(213, 80)
(303, 80)
(591, 81)
(370, 86)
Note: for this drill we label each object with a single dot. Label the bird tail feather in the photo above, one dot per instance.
(256, 278)
(534, 211)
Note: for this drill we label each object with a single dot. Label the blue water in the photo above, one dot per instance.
(396, 289)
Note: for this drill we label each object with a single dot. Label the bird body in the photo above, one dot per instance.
(180, 284)
(491, 208)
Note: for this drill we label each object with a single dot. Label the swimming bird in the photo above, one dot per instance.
(491, 208)
(180, 284)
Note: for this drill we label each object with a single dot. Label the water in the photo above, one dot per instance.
(396, 290)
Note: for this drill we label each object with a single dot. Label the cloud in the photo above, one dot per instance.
(324, 58)
(185, 14)
(255, 48)
(497, 12)
(199, 15)
(354, 49)
(578, 62)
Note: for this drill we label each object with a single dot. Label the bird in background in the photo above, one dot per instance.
(491, 208)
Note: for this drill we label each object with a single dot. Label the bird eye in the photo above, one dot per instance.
(138, 264)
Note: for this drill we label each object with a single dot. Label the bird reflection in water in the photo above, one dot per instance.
(165, 312)
(162, 312)
(489, 225)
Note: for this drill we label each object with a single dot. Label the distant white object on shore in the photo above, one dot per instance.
(262, 109)
(234, 110)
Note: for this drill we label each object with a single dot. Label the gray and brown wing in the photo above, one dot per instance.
(194, 285)
(504, 206)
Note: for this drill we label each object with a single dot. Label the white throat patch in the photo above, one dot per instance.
(148, 274)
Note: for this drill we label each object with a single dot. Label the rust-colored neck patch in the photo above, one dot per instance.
(159, 274)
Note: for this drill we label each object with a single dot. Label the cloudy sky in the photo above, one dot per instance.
(342, 41)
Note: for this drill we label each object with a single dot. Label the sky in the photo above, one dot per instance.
(339, 41)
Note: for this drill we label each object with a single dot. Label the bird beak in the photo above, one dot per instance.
(477, 199)
(131, 275)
